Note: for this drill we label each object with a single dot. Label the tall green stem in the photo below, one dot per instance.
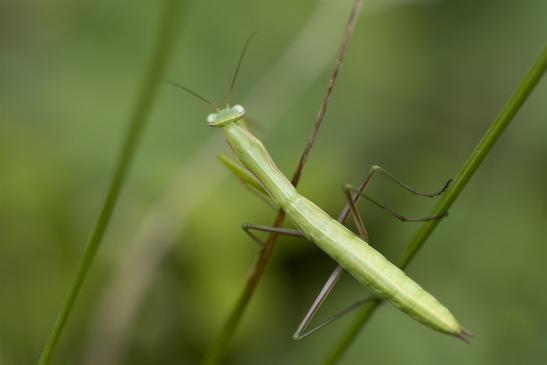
(482, 149)
(149, 89)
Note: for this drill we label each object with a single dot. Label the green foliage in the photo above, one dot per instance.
(419, 83)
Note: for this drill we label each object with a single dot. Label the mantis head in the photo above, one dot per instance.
(221, 117)
(226, 115)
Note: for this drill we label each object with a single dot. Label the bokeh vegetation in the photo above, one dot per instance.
(421, 82)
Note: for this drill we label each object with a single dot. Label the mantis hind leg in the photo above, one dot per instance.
(352, 196)
(350, 207)
(348, 189)
(378, 169)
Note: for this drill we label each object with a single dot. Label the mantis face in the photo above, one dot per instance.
(226, 115)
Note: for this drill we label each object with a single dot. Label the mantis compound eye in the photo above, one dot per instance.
(211, 118)
(226, 115)
(238, 109)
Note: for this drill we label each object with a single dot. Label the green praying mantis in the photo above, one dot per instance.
(353, 254)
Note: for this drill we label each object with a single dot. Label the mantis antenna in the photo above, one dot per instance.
(239, 62)
(191, 92)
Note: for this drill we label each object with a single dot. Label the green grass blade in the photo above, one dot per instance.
(144, 102)
(482, 149)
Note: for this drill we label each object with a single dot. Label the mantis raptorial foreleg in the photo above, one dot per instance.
(247, 179)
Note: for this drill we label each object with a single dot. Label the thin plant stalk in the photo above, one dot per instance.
(148, 92)
(498, 126)
(216, 350)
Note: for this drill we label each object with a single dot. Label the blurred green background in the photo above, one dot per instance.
(421, 82)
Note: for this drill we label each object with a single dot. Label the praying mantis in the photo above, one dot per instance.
(352, 252)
